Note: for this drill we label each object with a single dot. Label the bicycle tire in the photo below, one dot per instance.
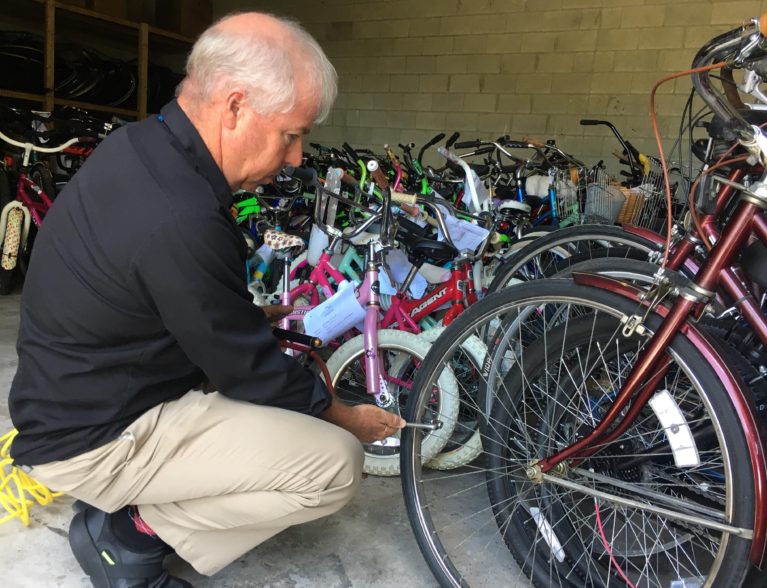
(449, 516)
(5, 188)
(530, 262)
(41, 175)
(383, 459)
(465, 445)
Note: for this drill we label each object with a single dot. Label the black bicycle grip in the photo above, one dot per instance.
(587, 122)
(436, 139)
(294, 337)
(352, 153)
(453, 138)
(306, 175)
(468, 144)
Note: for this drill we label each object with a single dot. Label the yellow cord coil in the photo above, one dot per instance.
(17, 489)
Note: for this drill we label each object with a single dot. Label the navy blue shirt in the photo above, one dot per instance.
(135, 293)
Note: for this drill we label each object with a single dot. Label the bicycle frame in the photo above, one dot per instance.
(747, 219)
(458, 291)
(367, 296)
(36, 209)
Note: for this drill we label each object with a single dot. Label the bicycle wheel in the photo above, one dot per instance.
(401, 354)
(545, 255)
(41, 175)
(640, 511)
(465, 444)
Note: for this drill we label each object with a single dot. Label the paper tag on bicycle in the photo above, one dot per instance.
(318, 241)
(676, 428)
(482, 194)
(336, 315)
(400, 267)
(464, 234)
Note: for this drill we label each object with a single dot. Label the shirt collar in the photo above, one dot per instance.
(194, 147)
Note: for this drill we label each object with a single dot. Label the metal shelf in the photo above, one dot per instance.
(55, 15)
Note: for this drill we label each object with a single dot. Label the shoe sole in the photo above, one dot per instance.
(86, 553)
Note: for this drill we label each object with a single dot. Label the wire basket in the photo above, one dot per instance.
(604, 199)
(569, 184)
(645, 204)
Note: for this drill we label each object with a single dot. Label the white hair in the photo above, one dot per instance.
(222, 58)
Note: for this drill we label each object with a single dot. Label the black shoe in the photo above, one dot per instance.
(109, 563)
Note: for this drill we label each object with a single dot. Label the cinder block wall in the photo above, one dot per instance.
(409, 69)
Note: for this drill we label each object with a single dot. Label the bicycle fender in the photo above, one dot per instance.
(754, 431)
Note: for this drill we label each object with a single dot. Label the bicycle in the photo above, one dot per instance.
(620, 442)
(379, 364)
(21, 216)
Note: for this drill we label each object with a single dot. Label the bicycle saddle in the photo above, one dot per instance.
(279, 241)
(436, 252)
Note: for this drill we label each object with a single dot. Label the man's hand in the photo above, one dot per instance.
(366, 422)
(275, 312)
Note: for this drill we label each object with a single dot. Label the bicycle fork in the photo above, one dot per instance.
(374, 370)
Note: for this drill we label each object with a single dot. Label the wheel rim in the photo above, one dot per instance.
(679, 550)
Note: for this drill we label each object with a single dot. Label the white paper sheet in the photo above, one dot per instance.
(336, 315)
(464, 234)
(400, 266)
(482, 193)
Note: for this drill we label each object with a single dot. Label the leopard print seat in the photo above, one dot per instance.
(279, 241)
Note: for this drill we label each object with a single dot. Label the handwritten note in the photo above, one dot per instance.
(336, 315)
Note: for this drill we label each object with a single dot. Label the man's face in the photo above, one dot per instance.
(262, 145)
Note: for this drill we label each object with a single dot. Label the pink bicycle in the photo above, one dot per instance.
(379, 365)
(21, 217)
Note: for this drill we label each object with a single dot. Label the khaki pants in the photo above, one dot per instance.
(214, 477)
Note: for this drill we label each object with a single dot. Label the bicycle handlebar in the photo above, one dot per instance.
(721, 48)
(436, 139)
(28, 147)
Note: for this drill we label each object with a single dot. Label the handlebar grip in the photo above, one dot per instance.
(401, 198)
(453, 138)
(299, 338)
(305, 175)
(468, 144)
(436, 139)
(535, 142)
(349, 179)
(377, 174)
(587, 122)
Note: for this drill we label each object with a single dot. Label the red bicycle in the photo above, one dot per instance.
(621, 441)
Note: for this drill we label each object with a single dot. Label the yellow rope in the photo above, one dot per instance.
(15, 486)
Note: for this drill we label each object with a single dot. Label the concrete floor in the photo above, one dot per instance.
(368, 544)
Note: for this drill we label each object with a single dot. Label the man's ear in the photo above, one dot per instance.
(235, 102)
